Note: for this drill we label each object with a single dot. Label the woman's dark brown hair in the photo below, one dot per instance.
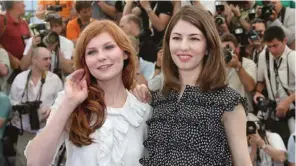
(213, 74)
(90, 115)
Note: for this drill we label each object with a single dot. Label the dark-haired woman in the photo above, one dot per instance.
(196, 119)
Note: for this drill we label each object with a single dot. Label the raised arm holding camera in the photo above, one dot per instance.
(49, 34)
(276, 72)
(32, 93)
(241, 71)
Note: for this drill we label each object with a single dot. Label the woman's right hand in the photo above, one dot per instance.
(76, 88)
(142, 93)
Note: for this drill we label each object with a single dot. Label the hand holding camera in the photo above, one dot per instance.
(36, 40)
(256, 139)
(235, 10)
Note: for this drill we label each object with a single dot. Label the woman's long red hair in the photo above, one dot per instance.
(90, 115)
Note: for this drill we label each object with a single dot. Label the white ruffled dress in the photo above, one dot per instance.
(119, 142)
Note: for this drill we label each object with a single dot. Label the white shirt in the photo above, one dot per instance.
(50, 89)
(118, 142)
(263, 76)
(277, 143)
(235, 83)
(67, 48)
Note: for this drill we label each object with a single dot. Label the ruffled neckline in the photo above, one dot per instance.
(113, 134)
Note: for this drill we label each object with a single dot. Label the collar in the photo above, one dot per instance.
(11, 20)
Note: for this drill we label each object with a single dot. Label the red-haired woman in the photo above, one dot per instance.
(99, 120)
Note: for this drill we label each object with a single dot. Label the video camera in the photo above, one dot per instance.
(56, 8)
(31, 108)
(47, 37)
(267, 11)
(228, 53)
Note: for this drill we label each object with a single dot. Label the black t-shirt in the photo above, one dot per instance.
(163, 7)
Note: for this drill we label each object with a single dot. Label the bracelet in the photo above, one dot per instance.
(157, 67)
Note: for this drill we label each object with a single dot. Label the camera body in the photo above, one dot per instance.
(47, 37)
(219, 7)
(31, 108)
(252, 128)
(267, 11)
(266, 104)
(253, 35)
(56, 8)
(251, 14)
(228, 53)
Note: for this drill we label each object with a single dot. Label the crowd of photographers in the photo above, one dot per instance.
(258, 40)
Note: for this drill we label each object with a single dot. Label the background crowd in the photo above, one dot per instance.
(258, 38)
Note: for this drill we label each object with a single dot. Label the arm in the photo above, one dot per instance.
(246, 79)
(107, 9)
(127, 8)
(275, 154)
(159, 22)
(5, 108)
(66, 65)
(49, 138)
(177, 6)
(15, 63)
(235, 129)
(253, 153)
(26, 60)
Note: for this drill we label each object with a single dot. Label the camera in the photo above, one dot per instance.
(266, 104)
(219, 7)
(219, 20)
(31, 108)
(252, 14)
(228, 53)
(253, 35)
(267, 11)
(47, 37)
(251, 127)
(56, 8)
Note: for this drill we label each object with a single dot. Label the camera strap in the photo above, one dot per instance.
(276, 67)
(282, 14)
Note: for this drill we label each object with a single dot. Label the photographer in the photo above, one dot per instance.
(63, 49)
(76, 25)
(277, 15)
(241, 71)
(64, 8)
(13, 31)
(266, 148)
(103, 10)
(34, 85)
(276, 71)
(255, 38)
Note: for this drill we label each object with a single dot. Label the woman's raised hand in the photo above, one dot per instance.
(76, 90)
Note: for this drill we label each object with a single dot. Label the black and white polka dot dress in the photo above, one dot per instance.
(189, 131)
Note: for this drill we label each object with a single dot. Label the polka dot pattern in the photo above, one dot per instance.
(189, 131)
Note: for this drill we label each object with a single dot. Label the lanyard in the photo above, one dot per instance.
(27, 86)
(276, 66)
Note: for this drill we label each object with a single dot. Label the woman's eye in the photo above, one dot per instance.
(194, 39)
(91, 52)
(109, 47)
(176, 38)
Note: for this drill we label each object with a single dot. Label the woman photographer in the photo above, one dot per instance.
(101, 122)
(266, 148)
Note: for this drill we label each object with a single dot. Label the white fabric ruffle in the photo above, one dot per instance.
(113, 134)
